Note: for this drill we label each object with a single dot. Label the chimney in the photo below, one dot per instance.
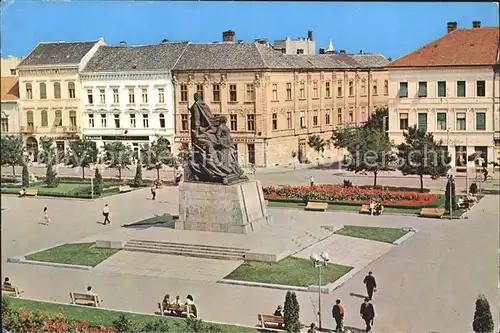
(164, 41)
(228, 36)
(123, 43)
(476, 24)
(321, 51)
(361, 51)
(452, 26)
(310, 35)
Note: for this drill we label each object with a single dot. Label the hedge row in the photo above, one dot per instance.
(80, 194)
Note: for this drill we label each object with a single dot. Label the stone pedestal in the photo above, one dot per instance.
(238, 208)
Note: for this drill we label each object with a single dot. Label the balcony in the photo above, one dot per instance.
(28, 129)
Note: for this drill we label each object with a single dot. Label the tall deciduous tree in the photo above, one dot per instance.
(82, 152)
(119, 156)
(156, 155)
(317, 143)
(421, 155)
(12, 151)
(483, 321)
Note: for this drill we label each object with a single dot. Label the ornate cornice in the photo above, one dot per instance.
(46, 72)
(124, 76)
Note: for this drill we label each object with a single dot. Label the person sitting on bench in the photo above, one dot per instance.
(279, 311)
(22, 192)
(471, 197)
(90, 292)
(189, 300)
(166, 302)
(372, 207)
(6, 282)
(378, 208)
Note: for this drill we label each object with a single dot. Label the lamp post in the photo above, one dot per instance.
(319, 261)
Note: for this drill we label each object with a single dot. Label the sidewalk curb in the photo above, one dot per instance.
(405, 237)
(327, 289)
(262, 285)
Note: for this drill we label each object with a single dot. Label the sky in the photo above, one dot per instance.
(390, 28)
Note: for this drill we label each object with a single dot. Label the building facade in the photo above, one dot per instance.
(50, 92)
(301, 45)
(127, 94)
(8, 66)
(450, 87)
(273, 102)
(9, 106)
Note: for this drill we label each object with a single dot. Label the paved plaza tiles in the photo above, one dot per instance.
(428, 283)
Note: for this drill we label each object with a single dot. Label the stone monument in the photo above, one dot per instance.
(216, 194)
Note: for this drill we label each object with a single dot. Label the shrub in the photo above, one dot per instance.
(98, 182)
(51, 178)
(25, 176)
(291, 313)
(347, 183)
(138, 176)
(157, 326)
(450, 196)
(9, 180)
(123, 324)
(483, 321)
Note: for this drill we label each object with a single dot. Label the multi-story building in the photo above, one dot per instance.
(10, 105)
(8, 66)
(450, 87)
(127, 93)
(273, 101)
(301, 45)
(49, 91)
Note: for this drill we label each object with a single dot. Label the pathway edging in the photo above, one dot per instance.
(408, 235)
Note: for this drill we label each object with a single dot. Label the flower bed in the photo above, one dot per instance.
(354, 194)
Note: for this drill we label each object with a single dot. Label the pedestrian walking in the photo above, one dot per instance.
(153, 192)
(367, 312)
(312, 328)
(338, 315)
(105, 213)
(46, 217)
(371, 284)
(311, 180)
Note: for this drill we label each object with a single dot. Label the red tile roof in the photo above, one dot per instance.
(462, 47)
(9, 88)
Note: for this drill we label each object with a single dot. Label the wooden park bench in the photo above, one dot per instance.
(85, 299)
(316, 206)
(432, 212)
(190, 311)
(125, 188)
(365, 209)
(31, 192)
(264, 318)
(11, 290)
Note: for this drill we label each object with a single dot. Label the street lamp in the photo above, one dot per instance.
(319, 261)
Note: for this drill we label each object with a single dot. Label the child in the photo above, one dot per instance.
(46, 216)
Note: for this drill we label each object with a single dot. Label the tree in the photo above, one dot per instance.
(317, 143)
(378, 120)
(156, 155)
(51, 178)
(98, 182)
(118, 156)
(25, 175)
(421, 155)
(291, 313)
(48, 156)
(12, 151)
(450, 194)
(342, 137)
(82, 152)
(483, 321)
(138, 176)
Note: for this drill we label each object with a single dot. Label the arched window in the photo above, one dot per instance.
(29, 91)
(72, 118)
(58, 118)
(44, 118)
(43, 90)
(71, 90)
(57, 90)
(162, 120)
(29, 118)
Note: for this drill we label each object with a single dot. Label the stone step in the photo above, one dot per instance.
(184, 252)
(187, 246)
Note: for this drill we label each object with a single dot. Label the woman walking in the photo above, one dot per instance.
(46, 216)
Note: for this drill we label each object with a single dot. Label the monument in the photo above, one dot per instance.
(216, 194)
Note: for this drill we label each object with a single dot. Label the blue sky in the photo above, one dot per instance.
(390, 28)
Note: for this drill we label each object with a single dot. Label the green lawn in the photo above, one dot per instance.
(85, 254)
(153, 220)
(106, 317)
(61, 188)
(289, 271)
(386, 235)
(64, 189)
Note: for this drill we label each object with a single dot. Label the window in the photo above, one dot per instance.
(232, 93)
(328, 92)
(131, 96)
(351, 115)
(104, 122)
(145, 121)
(234, 122)
(116, 96)
(375, 87)
(302, 90)
(161, 95)
(250, 93)
(403, 121)
(29, 91)
(480, 121)
(461, 156)
(90, 96)
(57, 90)
(363, 87)
(144, 95)
(184, 93)
(117, 121)
(29, 118)
(351, 88)
(251, 122)
(251, 153)
(403, 89)
(132, 121)
(327, 117)
(275, 121)
(315, 118)
(441, 121)
(481, 88)
(71, 90)
(422, 89)
(363, 113)
(302, 119)
(5, 125)
(339, 89)
(43, 91)
(162, 120)
(200, 90)
(288, 91)
(300, 51)
(289, 123)
(460, 88)
(422, 121)
(72, 118)
(315, 89)
(386, 87)
(44, 118)
(184, 122)
(102, 96)
(91, 120)
(441, 88)
(339, 115)
(13, 71)
(461, 121)
(275, 92)
(58, 118)
(216, 93)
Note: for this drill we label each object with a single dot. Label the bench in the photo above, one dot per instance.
(125, 188)
(316, 206)
(432, 212)
(31, 192)
(263, 318)
(184, 309)
(85, 299)
(11, 290)
(365, 209)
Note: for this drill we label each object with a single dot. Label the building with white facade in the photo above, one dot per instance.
(451, 87)
(127, 94)
(300, 45)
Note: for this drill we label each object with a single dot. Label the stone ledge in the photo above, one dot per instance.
(262, 285)
(406, 236)
(22, 260)
(337, 283)
(110, 244)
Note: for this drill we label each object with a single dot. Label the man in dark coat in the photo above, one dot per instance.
(338, 315)
(367, 312)
(370, 284)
